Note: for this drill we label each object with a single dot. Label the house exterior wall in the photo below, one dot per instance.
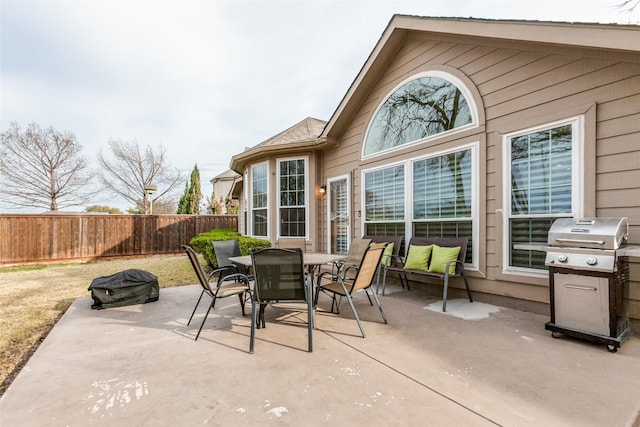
(222, 189)
(310, 242)
(517, 86)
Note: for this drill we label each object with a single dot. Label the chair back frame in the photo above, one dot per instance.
(228, 285)
(197, 267)
(279, 276)
(343, 285)
(368, 267)
(225, 249)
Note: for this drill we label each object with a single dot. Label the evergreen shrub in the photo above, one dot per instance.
(202, 243)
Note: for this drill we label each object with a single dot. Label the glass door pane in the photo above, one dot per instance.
(338, 214)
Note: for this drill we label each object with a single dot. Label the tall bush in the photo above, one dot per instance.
(202, 243)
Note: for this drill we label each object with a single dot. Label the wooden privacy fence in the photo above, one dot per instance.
(60, 237)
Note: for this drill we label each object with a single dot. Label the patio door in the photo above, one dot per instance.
(339, 220)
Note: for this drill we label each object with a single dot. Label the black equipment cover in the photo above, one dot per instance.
(127, 287)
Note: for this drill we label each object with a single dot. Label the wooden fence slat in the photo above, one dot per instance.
(60, 237)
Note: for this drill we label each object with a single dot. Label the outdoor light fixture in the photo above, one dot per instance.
(323, 190)
(150, 189)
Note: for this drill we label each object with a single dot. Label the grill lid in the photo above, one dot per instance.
(593, 233)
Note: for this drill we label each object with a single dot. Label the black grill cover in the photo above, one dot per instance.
(127, 287)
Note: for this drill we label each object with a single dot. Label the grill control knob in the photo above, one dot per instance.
(591, 260)
(562, 258)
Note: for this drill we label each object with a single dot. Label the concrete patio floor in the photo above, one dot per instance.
(139, 365)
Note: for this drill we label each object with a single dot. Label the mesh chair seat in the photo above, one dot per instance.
(230, 288)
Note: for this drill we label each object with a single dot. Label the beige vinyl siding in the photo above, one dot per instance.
(523, 85)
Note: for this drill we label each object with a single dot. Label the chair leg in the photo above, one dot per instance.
(466, 283)
(384, 281)
(310, 319)
(260, 322)
(241, 297)
(317, 294)
(444, 293)
(355, 314)
(213, 301)
(379, 307)
(338, 302)
(370, 302)
(253, 325)
(406, 281)
(195, 308)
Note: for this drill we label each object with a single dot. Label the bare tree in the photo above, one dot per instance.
(43, 168)
(131, 169)
(628, 5)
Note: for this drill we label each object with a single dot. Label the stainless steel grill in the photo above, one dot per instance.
(589, 279)
(589, 244)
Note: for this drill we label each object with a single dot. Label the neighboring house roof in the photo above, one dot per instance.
(225, 176)
(612, 38)
(302, 135)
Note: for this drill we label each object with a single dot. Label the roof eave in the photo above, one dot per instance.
(240, 161)
(622, 38)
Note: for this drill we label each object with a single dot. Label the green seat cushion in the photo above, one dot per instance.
(439, 258)
(386, 255)
(418, 257)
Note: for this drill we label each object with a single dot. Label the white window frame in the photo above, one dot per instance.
(306, 196)
(473, 109)
(245, 205)
(408, 196)
(251, 209)
(363, 207)
(577, 186)
(475, 195)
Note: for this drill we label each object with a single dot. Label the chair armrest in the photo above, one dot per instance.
(350, 267)
(231, 269)
(446, 269)
(236, 277)
(396, 261)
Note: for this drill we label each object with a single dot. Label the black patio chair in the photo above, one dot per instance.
(225, 249)
(279, 276)
(226, 284)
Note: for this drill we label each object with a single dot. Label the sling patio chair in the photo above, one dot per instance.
(225, 249)
(342, 285)
(279, 277)
(356, 251)
(225, 285)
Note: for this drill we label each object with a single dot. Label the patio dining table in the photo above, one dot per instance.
(311, 260)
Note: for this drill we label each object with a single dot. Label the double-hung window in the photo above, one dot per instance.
(432, 197)
(384, 201)
(543, 185)
(443, 196)
(292, 197)
(259, 200)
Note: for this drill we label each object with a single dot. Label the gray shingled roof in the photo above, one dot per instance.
(306, 130)
(226, 174)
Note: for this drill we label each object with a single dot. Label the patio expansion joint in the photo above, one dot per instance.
(410, 378)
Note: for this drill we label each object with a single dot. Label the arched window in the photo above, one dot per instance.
(420, 108)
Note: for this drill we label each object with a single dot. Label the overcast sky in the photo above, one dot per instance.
(205, 79)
